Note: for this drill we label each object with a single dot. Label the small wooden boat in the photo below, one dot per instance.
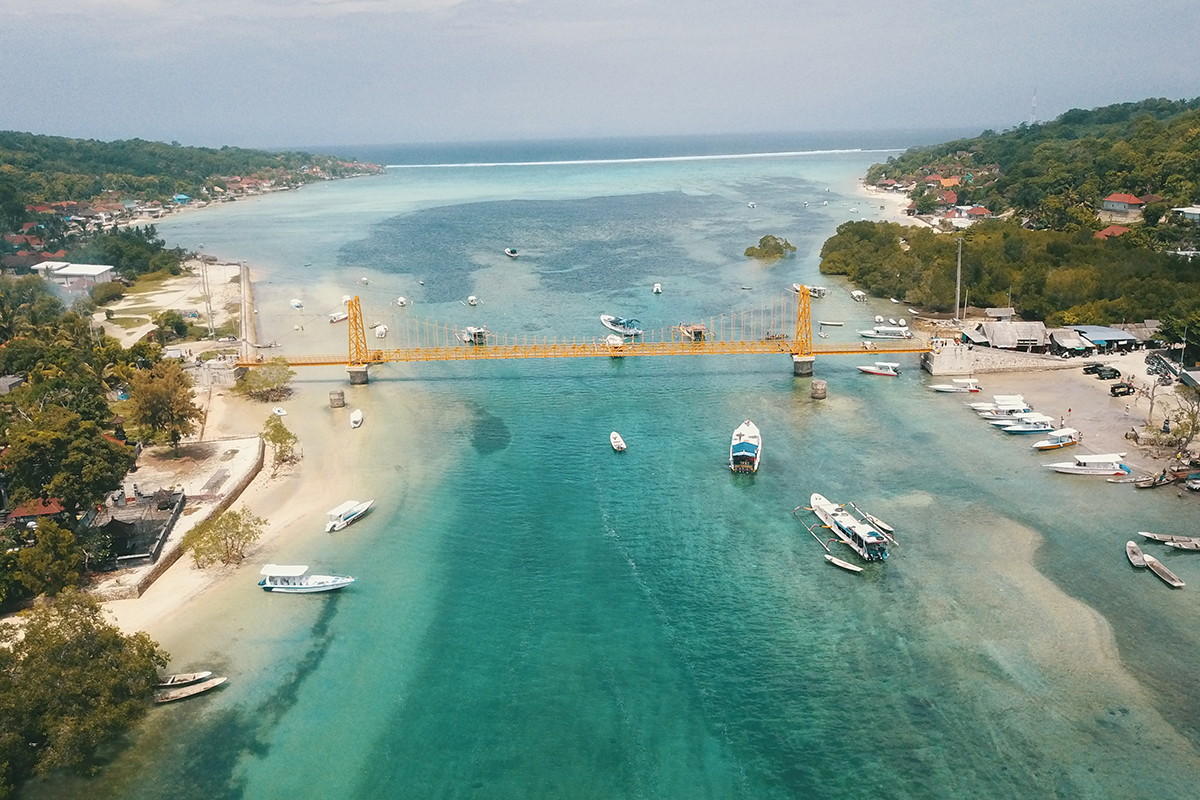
(846, 565)
(188, 691)
(1154, 481)
(616, 441)
(1135, 554)
(1167, 537)
(1159, 569)
(183, 678)
(1183, 545)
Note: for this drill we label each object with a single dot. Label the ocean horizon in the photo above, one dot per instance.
(537, 616)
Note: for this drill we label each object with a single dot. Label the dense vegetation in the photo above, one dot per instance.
(1059, 277)
(70, 682)
(132, 252)
(770, 248)
(1057, 173)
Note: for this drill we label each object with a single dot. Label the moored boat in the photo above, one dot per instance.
(1030, 423)
(338, 316)
(626, 326)
(474, 334)
(1005, 412)
(296, 580)
(1183, 545)
(862, 537)
(188, 691)
(889, 368)
(887, 332)
(1134, 553)
(745, 450)
(182, 678)
(356, 418)
(1063, 437)
(657, 289)
(616, 441)
(1168, 537)
(963, 385)
(346, 513)
(1099, 464)
(1160, 569)
(511, 252)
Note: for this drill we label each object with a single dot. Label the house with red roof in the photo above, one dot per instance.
(1122, 203)
(978, 212)
(1111, 230)
(948, 198)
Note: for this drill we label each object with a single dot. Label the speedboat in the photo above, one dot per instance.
(381, 331)
(296, 580)
(298, 304)
(338, 316)
(1006, 412)
(745, 449)
(817, 291)
(279, 411)
(887, 332)
(626, 326)
(356, 418)
(511, 252)
(1100, 464)
(858, 296)
(1160, 569)
(1063, 437)
(402, 301)
(346, 299)
(862, 537)
(1000, 400)
(657, 288)
(890, 368)
(472, 300)
(475, 334)
(616, 441)
(347, 512)
(612, 340)
(1031, 423)
(966, 385)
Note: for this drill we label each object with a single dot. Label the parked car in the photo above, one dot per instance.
(1091, 367)
(1108, 373)
(1121, 389)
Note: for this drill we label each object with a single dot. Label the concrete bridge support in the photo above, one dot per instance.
(802, 366)
(358, 374)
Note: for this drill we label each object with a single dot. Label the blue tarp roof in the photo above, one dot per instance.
(745, 448)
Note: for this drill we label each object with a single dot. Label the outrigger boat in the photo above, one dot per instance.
(296, 580)
(1167, 537)
(863, 538)
(626, 326)
(183, 678)
(616, 441)
(1160, 569)
(1134, 553)
(957, 385)
(346, 513)
(889, 368)
(188, 691)
(1063, 437)
(1183, 545)
(745, 450)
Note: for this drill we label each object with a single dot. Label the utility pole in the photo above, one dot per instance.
(958, 279)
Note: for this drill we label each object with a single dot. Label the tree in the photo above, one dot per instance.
(55, 453)
(268, 381)
(171, 325)
(223, 538)
(162, 401)
(770, 248)
(1187, 419)
(282, 441)
(69, 683)
(53, 563)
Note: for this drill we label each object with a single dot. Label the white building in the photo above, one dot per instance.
(1191, 213)
(64, 274)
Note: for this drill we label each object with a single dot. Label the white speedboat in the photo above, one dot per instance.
(1100, 464)
(745, 450)
(298, 304)
(862, 537)
(1005, 412)
(889, 368)
(1031, 423)
(356, 418)
(657, 288)
(346, 299)
(616, 441)
(381, 331)
(887, 332)
(279, 411)
(612, 340)
(346, 513)
(858, 296)
(817, 291)
(830, 323)
(402, 301)
(296, 580)
(472, 300)
(511, 252)
(1063, 437)
(338, 316)
(963, 385)
(626, 326)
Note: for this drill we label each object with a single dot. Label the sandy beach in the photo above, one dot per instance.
(893, 205)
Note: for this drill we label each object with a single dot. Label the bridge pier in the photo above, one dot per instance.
(802, 366)
(358, 374)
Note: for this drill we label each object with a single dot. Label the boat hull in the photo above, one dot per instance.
(1160, 569)
(1134, 554)
(188, 691)
(616, 441)
(745, 449)
(352, 517)
(315, 584)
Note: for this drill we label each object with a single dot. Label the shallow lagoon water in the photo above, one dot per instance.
(538, 616)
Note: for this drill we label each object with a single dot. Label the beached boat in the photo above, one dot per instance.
(616, 441)
(1168, 537)
(1154, 481)
(657, 288)
(858, 296)
(338, 316)
(1030, 423)
(474, 334)
(626, 326)
(1191, 482)
(887, 332)
(1134, 554)
(298, 304)
(279, 411)
(356, 418)
(1005, 413)
(188, 691)
(182, 679)
(1099, 464)
(288, 579)
(862, 537)
(1160, 569)
(346, 513)
(1063, 437)
(1183, 545)
(961, 385)
(511, 252)
(745, 450)
(846, 565)
(889, 368)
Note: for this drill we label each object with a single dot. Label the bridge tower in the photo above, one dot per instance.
(359, 356)
(803, 358)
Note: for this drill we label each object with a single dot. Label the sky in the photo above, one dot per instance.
(277, 73)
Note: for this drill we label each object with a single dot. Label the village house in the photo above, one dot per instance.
(1111, 230)
(1122, 203)
(1190, 213)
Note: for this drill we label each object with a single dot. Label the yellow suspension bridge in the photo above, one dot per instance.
(780, 327)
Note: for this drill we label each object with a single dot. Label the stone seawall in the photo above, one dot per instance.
(957, 359)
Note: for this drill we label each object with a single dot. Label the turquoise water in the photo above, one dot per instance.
(537, 616)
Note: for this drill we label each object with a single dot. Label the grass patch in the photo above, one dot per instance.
(150, 282)
(128, 323)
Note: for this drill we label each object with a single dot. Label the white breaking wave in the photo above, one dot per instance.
(646, 160)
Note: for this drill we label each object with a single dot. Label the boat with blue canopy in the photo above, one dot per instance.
(745, 449)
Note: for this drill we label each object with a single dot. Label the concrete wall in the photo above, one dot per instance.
(957, 359)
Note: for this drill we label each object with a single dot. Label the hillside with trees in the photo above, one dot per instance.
(1056, 174)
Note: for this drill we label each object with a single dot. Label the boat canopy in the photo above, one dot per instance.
(337, 513)
(283, 571)
(1064, 432)
(892, 364)
(745, 449)
(1102, 458)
